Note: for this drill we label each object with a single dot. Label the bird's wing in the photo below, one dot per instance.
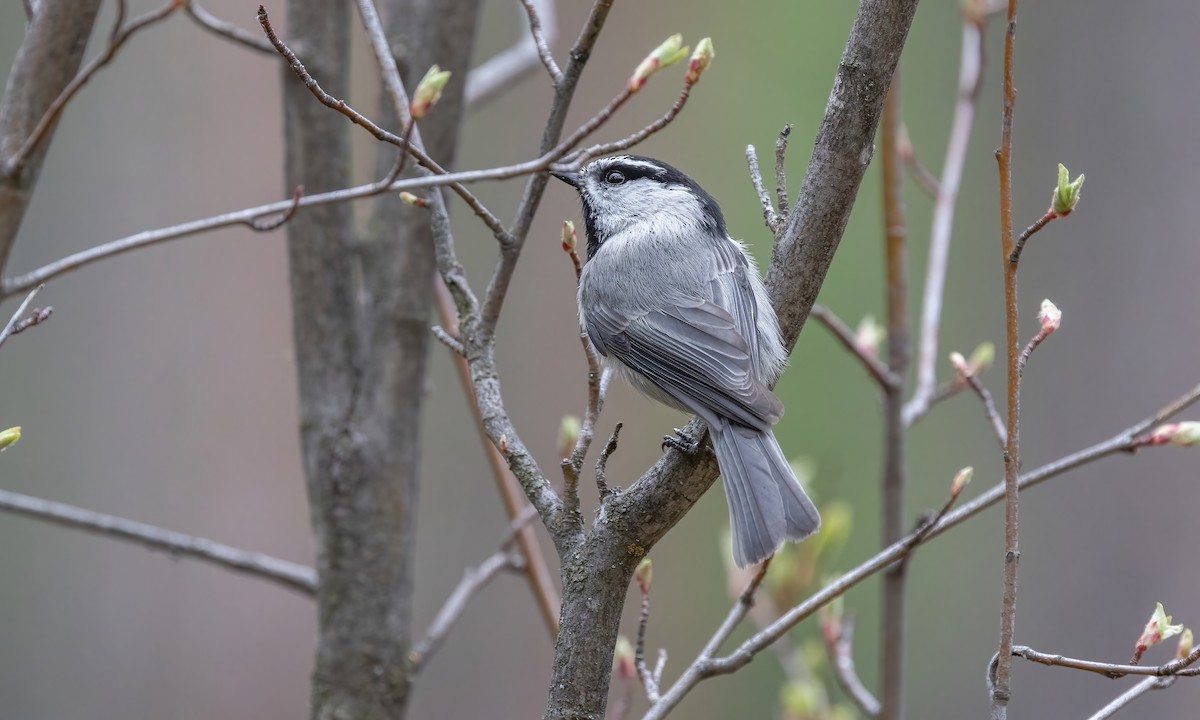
(731, 290)
(692, 350)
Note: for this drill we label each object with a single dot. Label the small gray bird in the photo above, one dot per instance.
(676, 306)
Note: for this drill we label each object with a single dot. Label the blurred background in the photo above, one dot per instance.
(163, 388)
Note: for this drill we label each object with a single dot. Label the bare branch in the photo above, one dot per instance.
(16, 163)
(260, 224)
(379, 133)
(1133, 693)
(845, 336)
(770, 218)
(226, 29)
(10, 328)
(602, 463)
(538, 575)
(473, 581)
(449, 340)
(1125, 441)
(781, 191)
(281, 572)
(839, 646)
(945, 192)
(625, 143)
(501, 70)
(1179, 667)
(1015, 256)
(695, 671)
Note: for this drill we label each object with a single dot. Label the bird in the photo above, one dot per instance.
(676, 306)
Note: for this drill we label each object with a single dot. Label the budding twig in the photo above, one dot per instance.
(10, 327)
(770, 218)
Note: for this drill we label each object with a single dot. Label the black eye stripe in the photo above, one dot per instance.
(632, 171)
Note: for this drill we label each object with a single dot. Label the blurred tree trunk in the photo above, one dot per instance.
(361, 316)
(49, 57)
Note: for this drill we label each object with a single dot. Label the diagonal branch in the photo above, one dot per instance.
(11, 326)
(487, 80)
(281, 572)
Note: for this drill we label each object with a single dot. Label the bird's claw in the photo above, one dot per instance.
(682, 441)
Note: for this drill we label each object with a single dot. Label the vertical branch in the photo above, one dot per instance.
(894, 595)
(969, 77)
(50, 55)
(1008, 612)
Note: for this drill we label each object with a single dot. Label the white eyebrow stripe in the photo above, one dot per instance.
(630, 162)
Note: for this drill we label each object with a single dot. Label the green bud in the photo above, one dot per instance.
(9, 436)
(429, 91)
(644, 575)
(669, 52)
(1066, 195)
(700, 60)
(568, 434)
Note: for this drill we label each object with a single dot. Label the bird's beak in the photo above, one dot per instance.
(571, 178)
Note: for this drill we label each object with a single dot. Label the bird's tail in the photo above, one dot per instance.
(766, 503)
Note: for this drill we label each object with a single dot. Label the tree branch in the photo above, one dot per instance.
(839, 646)
(1178, 667)
(498, 73)
(1125, 441)
(1133, 693)
(846, 337)
(11, 326)
(225, 29)
(970, 75)
(1000, 690)
(281, 572)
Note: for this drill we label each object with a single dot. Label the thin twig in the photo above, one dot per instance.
(692, 675)
(1015, 256)
(946, 195)
(226, 29)
(1178, 667)
(1133, 693)
(539, 37)
(1000, 690)
(921, 176)
(602, 463)
(597, 388)
(449, 341)
(770, 217)
(845, 336)
(1124, 441)
(16, 318)
(473, 581)
(260, 224)
(379, 133)
(989, 408)
(894, 591)
(36, 317)
(649, 679)
(629, 141)
(281, 572)
(17, 162)
(781, 190)
(839, 646)
(500, 71)
(536, 571)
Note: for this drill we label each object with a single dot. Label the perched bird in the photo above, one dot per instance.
(676, 306)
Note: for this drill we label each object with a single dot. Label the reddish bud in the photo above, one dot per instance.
(568, 236)
(1158, 629)
(669, 52)
(624, 662)
(1049, 316)
(1183, 434)
(699, 61)
(416, 201)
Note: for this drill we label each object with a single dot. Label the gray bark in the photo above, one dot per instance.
(49, 57)
(634, 520)
(361, 317)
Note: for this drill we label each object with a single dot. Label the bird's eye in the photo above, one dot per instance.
(614, 177)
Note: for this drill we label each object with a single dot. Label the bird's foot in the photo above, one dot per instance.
(682, 441)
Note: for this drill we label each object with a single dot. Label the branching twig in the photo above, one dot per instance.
(695, 671)
(260, 224)
(839, 645)
(845, 336)
(499, 72)
(226, 29)
(582, 156)
(537, 573)
(281, 572)
(120, 34)
(379, 133)
(770, 217)
(1015, 256)
(1179, 667)
(473, 581)
(1124, 441)
(11, 326)
(946, 195)
(602, 463)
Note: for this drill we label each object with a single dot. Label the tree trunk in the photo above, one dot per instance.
(361, 317)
